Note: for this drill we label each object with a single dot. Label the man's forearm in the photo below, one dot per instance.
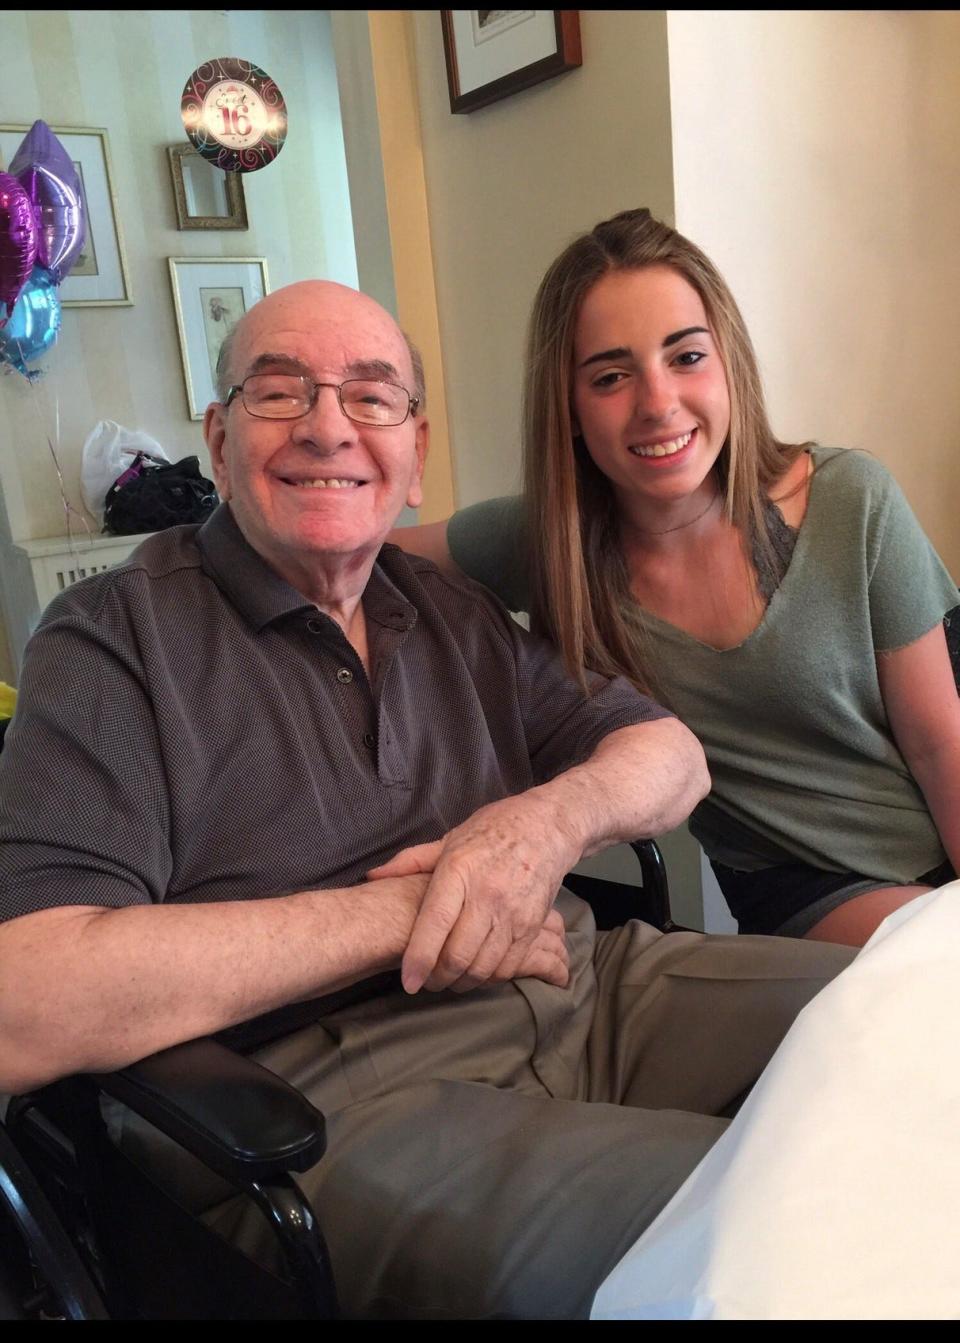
(86, 989)
(640, 781)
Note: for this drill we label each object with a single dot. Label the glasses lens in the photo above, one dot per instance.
(374, 402)
(276, 396)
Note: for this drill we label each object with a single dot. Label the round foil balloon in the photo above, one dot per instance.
(234, 114)
(18, 241)
(34, 323)
(45, 171)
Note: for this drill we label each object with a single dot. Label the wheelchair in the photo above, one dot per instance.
(86, 1234)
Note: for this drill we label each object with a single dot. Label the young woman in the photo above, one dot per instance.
(781, 598)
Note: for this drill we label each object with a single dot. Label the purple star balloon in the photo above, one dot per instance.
(18, 241)
(45, 170)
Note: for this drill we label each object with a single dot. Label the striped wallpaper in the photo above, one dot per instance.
(125, 70)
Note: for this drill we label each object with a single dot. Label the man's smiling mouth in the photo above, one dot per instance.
(331, 483)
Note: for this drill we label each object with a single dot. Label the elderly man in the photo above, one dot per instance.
(270, 762)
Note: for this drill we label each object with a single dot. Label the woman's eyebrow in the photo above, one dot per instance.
(618, 352)
(625, 352)
(687, 331)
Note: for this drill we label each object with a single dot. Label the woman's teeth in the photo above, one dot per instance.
(662, 449)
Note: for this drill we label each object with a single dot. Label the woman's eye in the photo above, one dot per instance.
(689, 358)
(609, 379)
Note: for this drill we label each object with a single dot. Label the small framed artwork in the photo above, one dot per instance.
(492, 53)
(99, 278)
(210, 295)
(206, 197)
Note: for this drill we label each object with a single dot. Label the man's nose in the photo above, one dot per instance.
(325, 425)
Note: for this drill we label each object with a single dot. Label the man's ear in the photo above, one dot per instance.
(215, 434)
(422, 447)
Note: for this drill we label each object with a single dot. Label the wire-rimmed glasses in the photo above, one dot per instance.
(288, 396)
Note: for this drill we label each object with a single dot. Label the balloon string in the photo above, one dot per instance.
(68, 508)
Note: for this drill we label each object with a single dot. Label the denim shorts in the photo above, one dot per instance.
(791, 898)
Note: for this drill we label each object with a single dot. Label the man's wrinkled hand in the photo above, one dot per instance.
(484, 916)
(546, 958)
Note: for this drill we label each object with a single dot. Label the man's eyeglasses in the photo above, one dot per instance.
(288, 396)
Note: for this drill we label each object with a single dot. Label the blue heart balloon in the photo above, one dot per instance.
(33, 325)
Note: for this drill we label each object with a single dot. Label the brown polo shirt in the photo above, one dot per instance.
(189, 728)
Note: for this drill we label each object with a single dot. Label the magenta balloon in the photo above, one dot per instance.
(45, 170)
(18, 241)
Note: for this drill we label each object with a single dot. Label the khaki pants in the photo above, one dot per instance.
(494, 1154)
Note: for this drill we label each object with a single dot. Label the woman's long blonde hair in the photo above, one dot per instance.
(578, 577)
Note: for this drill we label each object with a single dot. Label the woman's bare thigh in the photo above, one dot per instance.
(854, 922)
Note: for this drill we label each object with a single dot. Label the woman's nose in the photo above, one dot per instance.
(656, 395)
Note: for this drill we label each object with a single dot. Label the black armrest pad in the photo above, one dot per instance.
(236, 1116)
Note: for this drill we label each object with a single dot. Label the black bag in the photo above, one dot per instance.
(151, 495)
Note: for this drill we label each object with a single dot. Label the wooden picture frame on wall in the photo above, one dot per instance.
(210, 295)
(493, 53)
(205, 196)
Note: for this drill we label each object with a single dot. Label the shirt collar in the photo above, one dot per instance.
(261, 596)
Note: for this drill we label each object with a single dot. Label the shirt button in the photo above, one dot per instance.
(344, 675)
(369, 740)
(314, 626)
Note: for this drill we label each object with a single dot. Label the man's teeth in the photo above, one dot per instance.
(662, 449)
(332, 484)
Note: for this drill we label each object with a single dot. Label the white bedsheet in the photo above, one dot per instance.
(835, 1193)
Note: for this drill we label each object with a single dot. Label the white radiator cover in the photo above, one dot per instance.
(35, 571)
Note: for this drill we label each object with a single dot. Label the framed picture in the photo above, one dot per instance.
(206, 197)
(210, 295)
(492, 53)
(99, 278)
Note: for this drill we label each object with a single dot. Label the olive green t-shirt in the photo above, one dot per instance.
(801, 755)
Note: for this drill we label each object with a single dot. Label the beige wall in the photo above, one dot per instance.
(815, 159)
(411, 254)
(380, 113)
(507, 187)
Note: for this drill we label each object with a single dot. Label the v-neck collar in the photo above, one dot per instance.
(808, 524)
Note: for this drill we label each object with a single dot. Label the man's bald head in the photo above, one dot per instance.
(316, 494)
(293, 302)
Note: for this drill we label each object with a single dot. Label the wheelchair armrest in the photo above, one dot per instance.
(234, 1115)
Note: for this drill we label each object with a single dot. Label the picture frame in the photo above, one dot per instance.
(210, 294)
(205, 196)
(99, 278)
(493, 53)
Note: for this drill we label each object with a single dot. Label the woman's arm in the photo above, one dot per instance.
(429, 540)
(920, 696)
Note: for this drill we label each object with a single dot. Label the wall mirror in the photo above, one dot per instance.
(206, 197)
